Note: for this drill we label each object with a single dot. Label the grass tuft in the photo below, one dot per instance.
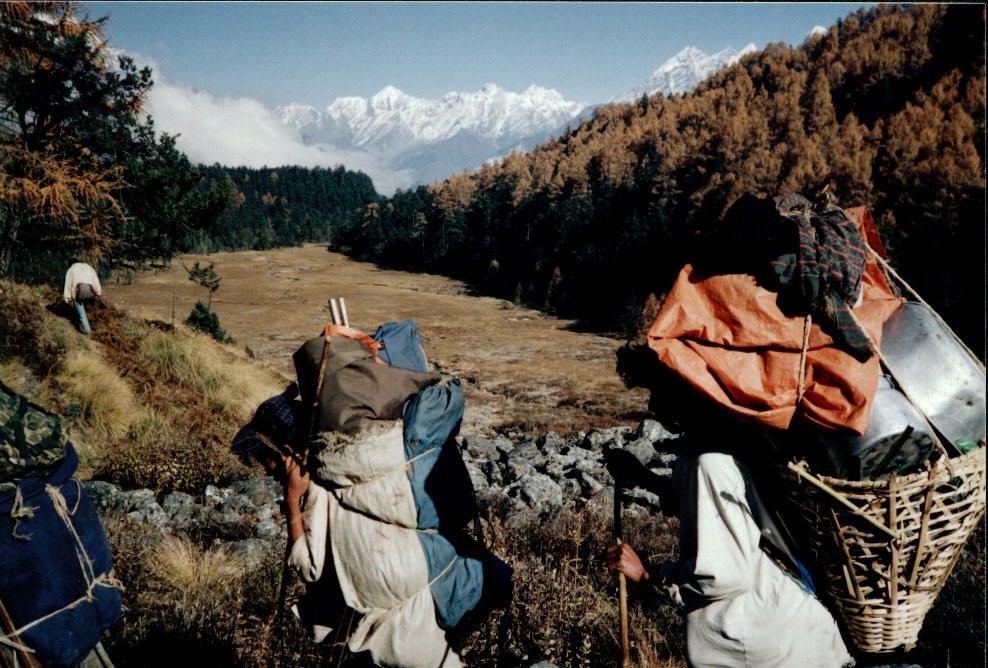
(103, 403)
(228, 381)
(195, 573)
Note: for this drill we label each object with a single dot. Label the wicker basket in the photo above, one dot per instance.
(884, 561)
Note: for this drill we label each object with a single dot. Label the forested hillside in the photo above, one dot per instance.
(282, 206)
(887, 108)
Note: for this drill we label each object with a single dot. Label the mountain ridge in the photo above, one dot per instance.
(434, 138)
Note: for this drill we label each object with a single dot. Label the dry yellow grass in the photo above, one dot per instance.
(195, 572)
(105, 403)
(521, 369)
(229, 381)
(20, 379)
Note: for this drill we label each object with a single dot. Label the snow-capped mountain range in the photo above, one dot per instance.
(431, 139)
(682, 72)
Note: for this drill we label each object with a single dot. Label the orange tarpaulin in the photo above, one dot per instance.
(727, 337)
(348, 332)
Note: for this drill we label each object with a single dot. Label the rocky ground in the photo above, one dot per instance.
(536, 476)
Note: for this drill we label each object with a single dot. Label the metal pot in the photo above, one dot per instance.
(934, 370)
(897, 439)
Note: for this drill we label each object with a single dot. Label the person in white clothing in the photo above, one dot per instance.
(748, 601)
(269, 440)
(331, 609)
(81, 285)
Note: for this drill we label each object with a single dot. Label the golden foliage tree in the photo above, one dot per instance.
(887, 108)
(56, 84)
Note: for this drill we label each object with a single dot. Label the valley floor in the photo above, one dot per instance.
(521, 369)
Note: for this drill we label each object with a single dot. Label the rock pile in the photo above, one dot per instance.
(536, 476)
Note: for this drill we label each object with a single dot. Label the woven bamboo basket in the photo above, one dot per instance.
(885, 548)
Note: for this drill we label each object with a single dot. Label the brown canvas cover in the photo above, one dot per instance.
(726, 336)
(357, 385)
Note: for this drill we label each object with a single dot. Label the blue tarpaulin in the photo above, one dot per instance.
(55, 579)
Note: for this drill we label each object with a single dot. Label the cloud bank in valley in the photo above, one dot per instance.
(243, 132)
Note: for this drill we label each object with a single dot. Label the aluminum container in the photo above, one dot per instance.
(934, 370)
(897, 440)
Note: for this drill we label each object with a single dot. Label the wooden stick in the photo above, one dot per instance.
(286, 569)
(924, 527)
(344, 318)
(622, 581)
(819, 484)
(320, 377)
(894, 566)
(22, 659)
(854, 588)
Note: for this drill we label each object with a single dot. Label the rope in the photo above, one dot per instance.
(20, 512)
(105, 580)
(802, 359)
(85, 564)
(5, 640)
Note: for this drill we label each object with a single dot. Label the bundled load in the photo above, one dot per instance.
(57, 589)
(790, 321)
(761, 324)
(400, 498)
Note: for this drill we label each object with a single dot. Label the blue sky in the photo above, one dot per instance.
(314, 52)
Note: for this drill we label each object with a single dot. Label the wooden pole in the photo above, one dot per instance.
(823, 487)
(314, 418)
(622, 582)
(10, 655)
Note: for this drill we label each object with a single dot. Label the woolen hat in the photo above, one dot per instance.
(273, 422)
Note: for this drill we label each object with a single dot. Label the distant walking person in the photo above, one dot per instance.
(81, 285)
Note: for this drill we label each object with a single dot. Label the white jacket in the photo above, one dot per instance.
(376, 554)
(80, 272)
(743, 609)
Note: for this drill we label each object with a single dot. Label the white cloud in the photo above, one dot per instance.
(240, 131)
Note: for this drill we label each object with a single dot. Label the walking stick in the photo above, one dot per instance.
(286, 569)
(622, 583)
(12, 651)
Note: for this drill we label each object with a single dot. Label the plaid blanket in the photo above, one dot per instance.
(824, 272)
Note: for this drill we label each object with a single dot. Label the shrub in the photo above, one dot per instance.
(228, 383)
(206, 321)
(164, 455)
(565, 604)
(183, 602)
(28, 333)
(203, 577)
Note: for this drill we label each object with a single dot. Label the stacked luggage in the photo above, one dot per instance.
(57, 588)
(791, 322)
(383, 443)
